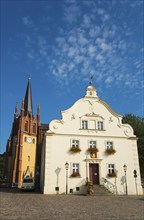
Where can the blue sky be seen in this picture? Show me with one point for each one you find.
(60, 44)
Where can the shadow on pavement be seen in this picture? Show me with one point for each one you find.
(16, 190)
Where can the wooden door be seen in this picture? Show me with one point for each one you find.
(94, 173)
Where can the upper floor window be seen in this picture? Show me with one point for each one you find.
(26, 126)
(75, 143)
(84, 124)
(109, 145)
(100, 125)
(92, 144)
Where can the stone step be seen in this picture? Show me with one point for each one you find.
(101, 190)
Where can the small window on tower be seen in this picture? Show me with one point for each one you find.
(33, 141)
(26, 126)
(25, 139)
(28, 158)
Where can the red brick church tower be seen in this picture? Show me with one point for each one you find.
(22, 144)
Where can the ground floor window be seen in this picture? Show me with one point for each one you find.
(75, 170)
(111, 168)
(75, 167)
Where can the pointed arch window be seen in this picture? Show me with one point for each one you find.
(34, 128)
(33, 141)
(26, 126)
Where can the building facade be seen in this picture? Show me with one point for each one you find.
(96, 146)
(22, 144)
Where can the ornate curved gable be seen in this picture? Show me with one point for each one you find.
(89, 116)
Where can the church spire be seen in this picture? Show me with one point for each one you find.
(28, 100)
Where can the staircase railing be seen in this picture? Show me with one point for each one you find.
(109, 186)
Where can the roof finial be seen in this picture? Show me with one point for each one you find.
(90, 79)
(29, 76)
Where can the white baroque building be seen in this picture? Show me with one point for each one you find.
(91, 138)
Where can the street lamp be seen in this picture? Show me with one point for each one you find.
(125, 169)
(66, 166)
(116, 171)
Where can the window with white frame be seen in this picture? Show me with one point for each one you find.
(75, 168)
(84, 124)
(100, 125)
(92, 144)
(109, 145)
(75, 143)
(111, 168)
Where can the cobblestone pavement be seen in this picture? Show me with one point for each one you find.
(34, 206)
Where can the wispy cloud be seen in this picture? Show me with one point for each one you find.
(89, 41)
(27, 21)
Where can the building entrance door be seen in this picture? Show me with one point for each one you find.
(94, 173)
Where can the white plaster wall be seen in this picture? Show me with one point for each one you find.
(58, 143)
(57, 153)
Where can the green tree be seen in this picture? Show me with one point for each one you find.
(1, 168)
(137, 124)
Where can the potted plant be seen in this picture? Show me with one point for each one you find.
(90, 188)
(111, 174)
(75, 150)
(92, 150)
(110, 151)
(76, 174)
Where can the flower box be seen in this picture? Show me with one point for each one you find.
(92, 150)
(111, 175)
(75, 150)
(75, 174)
(110, 151)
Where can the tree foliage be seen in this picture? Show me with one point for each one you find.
(1, 168)
(137, 124)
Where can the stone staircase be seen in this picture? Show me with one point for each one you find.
(100, 190)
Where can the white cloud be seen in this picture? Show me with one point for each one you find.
(89, 41)
(105, 46)
(27, 21)
(72, 13)
(91, 50)
(100, 11)
(100, 58)
(86, 20)
(82, 40)
(95, 31)
(109, 80)
(71, 52)
(72, 39)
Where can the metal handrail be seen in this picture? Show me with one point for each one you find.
(108, 185)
